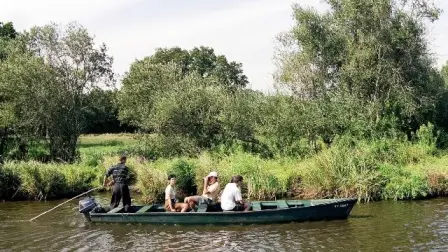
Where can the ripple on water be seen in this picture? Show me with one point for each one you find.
(382, 226)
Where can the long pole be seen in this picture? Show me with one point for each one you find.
(65, 202)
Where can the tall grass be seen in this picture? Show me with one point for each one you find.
(34, 180)
(368, 169)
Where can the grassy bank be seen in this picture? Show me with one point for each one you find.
(369, 170)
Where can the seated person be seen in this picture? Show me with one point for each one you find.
(209, 193)
(231, 199)
(170, 197)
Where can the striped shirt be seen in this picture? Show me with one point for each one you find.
(119, 172)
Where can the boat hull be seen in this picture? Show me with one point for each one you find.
(312, 211)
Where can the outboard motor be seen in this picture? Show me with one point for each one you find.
(87, 205)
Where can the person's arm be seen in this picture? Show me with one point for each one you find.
(168, 197)
(204, 191)
(108, 173)
(238, 197)
(212, 188)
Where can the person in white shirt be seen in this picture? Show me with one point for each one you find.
(170, 197)
(231, 199)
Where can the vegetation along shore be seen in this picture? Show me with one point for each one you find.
(359, 110)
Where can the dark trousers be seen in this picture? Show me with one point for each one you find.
(118, 191)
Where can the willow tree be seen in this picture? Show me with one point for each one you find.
(372, 53)
(48, 80)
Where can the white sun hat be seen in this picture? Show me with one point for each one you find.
(213, 174)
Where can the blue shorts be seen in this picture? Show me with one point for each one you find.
(204, 200)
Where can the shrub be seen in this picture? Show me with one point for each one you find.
(9, 183)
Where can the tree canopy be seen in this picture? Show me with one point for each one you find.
(43, 81)
(374, 52)
(204, 61)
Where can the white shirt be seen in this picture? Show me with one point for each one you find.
(170, 193)
(230, 196)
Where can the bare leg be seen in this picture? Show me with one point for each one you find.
(185, 207)
(192, 201)
(246, 206)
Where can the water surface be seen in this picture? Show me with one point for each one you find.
(379, 226)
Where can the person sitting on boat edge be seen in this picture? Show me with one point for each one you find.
(231, 199)
(170, 197)
(209, 193)
(119, 183)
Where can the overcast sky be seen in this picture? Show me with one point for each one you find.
(242, 30)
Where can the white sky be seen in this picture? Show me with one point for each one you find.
(242, 30)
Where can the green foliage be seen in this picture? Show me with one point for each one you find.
(7, 33)
(185, 177)
(43, 85)
(369, 169)
(156, 146)
(7, 30)
(404, 184)
(100, 113)
(48, 181)
(203, 61)
(359, 109)
(372, 54)
(190, 109)
(9, 183)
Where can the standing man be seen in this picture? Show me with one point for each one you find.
(120, 180)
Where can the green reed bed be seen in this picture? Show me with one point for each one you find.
(370, 170)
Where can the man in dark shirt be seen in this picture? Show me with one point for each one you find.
(120, 177)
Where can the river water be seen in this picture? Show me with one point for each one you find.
(378, 226)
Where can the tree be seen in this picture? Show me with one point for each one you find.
(48, 83)
(372, 51)
(101, 113)
(148, 79)
(203, 61)
(444, 73)
(188, 111)
(7, 30)
(7, 33)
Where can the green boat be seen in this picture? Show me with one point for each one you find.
(262, 212)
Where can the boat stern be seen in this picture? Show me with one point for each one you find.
(86, 206)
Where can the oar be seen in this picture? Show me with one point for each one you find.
(65, 202)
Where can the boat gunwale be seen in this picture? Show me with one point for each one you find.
(331, 201)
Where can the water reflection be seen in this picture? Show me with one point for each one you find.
(382, 226)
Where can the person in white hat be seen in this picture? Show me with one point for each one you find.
(209, 193)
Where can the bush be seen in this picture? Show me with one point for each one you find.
(9, 183)
(185, 177)
(50, 181)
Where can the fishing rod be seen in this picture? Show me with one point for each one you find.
(65, 202)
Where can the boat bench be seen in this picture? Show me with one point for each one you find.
(116, 210)
(282, 204)
(144, 209)
(202, 208)
(256, 206)
(278, 204)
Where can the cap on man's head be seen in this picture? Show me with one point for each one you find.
(213, 174)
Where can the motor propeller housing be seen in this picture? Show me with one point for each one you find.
(87, 205)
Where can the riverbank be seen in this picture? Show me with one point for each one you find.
(370, 170)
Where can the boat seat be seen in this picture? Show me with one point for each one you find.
(282, 204)
(115, 210)
(256, 206)
(144, 209)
